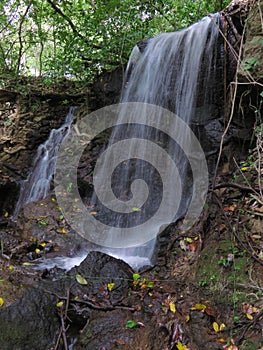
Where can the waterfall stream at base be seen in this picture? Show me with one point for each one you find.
(37, 184)
(177, 71)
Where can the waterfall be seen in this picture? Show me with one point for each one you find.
(37, 185)
(153, 170)
(176, 71)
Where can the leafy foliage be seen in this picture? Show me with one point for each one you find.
(79, 39)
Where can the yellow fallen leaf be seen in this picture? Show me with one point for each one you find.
(221, 340)
(216, 326)
(93, 213)
(6, 214)
(249, 316)
(81, 280)
(200, 307)
(172, 307)
(37, 250)
(244, 168)
(59, 304)
(63, 230)
(187, 318)
(11, 268)
(1, 302)
(222, 327)
(180, 346)
(110, 286)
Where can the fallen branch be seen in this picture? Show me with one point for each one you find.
(236, 185)
(103, 308)
(91, 304)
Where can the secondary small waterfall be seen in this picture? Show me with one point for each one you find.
(37, 184)
(177, 71)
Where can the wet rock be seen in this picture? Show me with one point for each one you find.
(9, 190)
(106, 331)
(99, 270)
(30, 323)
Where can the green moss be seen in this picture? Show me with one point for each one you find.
(250, 345)
(222, 278)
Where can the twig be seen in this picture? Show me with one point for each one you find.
(235, 185)
(104, 308)
(63, 329)
(58, 339)
(91, 305)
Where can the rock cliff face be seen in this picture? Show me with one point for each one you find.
(26, 121)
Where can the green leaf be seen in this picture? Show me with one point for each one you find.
(43, 223)
(136, 276)
(131, 324)
(81, 280)
(110, 286)
(136, 209)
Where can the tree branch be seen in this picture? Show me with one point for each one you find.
(71, 24)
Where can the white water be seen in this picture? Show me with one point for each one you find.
(169, 73)
(37, 185)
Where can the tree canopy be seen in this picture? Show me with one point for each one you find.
(78, 39)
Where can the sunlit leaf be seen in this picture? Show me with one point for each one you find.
(63, 230)
(6, 214)
(131, 324)
(37, 250)
(200, 307)
(222, 327)
(249, 316)
(187, 318)
(81, 280)
(11, 268)
(27, 263)
(43, 223)
(172, 307)
(110, 286)
(59, 304)
(180, 346)
(136, 276)
(136, 209)
(216, 327)
(1, 302)
(93, 213)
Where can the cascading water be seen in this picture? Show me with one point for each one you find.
(37, 184)
(177, 71)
